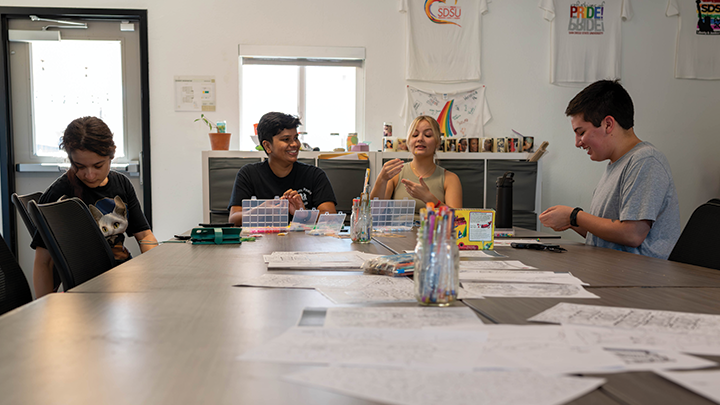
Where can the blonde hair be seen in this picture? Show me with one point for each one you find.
(433, 125)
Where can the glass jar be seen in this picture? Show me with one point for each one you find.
(361, 221)
(437, 267)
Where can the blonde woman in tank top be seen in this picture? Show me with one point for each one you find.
(420, 179)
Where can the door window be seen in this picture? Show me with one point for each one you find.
(71, 79)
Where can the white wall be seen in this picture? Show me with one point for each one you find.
(201, 38)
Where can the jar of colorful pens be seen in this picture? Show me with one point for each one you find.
(437, 261)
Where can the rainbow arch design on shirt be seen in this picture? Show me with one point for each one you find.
(431, 16)
(445, 119)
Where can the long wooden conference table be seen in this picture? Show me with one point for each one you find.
(167, 327)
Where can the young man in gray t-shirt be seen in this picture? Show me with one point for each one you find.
(635, 206)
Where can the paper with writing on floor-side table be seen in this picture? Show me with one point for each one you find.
(400, 317)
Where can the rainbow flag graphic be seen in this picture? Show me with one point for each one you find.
(445, 120)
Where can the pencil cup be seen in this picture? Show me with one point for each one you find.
(361, 221)
(437, 259)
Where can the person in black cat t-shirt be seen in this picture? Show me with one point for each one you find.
(109, 195)
(281, 175)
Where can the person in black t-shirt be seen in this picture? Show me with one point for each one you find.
(109, 195)
(281, 175)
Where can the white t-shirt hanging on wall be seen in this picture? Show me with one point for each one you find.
(459, 114)
(697, 50)
(443, 39)
(585, 38)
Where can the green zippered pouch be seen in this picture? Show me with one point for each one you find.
(215, 236)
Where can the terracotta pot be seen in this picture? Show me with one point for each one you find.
(219, 141)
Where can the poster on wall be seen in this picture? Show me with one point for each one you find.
(697, 48)
(460, 114)
(194, 93)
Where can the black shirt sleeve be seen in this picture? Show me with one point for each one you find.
(136, 218)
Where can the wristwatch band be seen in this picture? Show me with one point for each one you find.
(573, 216)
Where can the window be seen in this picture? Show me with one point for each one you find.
(325, 92)
(70, 81)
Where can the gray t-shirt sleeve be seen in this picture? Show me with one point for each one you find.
(644, 184)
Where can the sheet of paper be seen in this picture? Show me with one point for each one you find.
(430, 387)
(519, 276)
(303, 281)
(704, 383)
(480, 290)
(494, 265)
(406, 348)
(317, 260)
(648, 360)
(485, 254)
(400, 317)
(545, 350)
(695, 343)
(375, 289)
(507, 241)
(630, 318)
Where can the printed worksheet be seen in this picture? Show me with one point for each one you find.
(519, 276)
(431, 387)
(480, 290)
(695, 343)
(367, 289)
(704, 383)
(317, 260)
(494, 265)
(400, 317)
(407, 348)
(630, 318)
(650, 360)
(303, 281)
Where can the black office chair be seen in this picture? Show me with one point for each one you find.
(696, 244)
(21, 204)
(14, 288)
(73, 239)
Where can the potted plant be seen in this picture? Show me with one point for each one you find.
(219, 139)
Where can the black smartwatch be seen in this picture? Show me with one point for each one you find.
(573, 216)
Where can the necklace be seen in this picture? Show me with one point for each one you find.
(416, 172)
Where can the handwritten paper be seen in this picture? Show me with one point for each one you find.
(406, 348)
(630, 318)
(400, 317)
(704, 383)
(480, 290)
(430, 387)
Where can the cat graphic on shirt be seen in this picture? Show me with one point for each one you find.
(111, 217)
